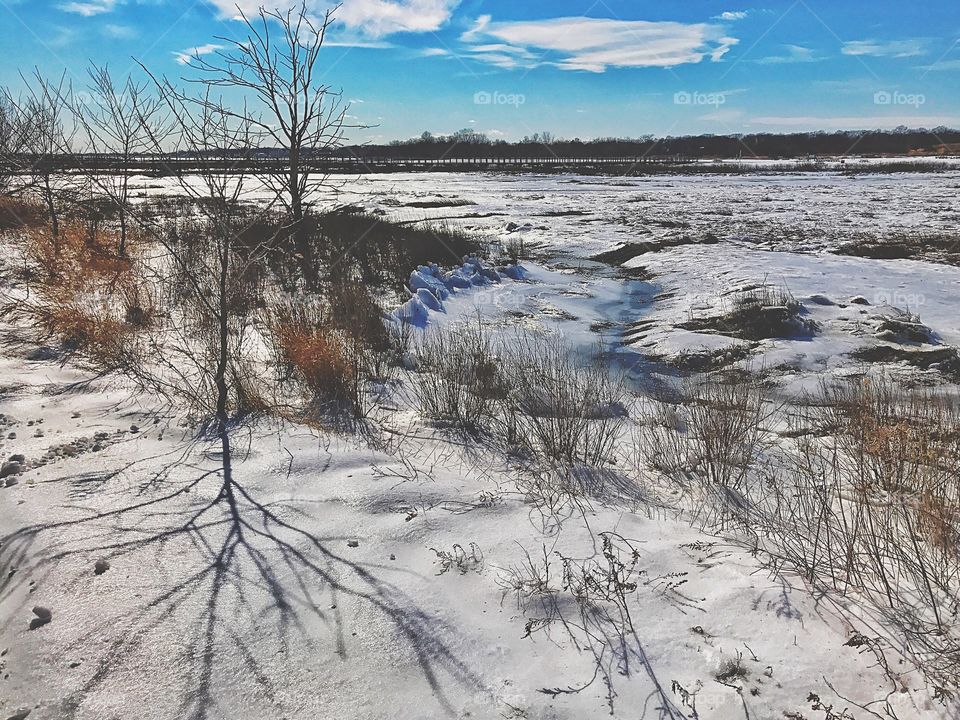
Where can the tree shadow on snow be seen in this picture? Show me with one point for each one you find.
(245, 549)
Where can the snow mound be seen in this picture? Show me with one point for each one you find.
(430, 286)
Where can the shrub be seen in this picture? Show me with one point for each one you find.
(16, 214)
(459, 378)
(85, 327)
(560, 407)
(73, 258)
(326, 363)
(374, 250)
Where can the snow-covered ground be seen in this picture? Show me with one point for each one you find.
(371, 577)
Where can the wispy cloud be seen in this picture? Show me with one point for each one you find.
(731, 15)
(909, 47)
(594, 44)
(89, 8)
(944, 65)
(119, 32)
(354, 42)
(185, 56)
(791, 54)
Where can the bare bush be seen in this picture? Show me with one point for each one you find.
(867, 502)
(121, 121)
(713, 434)
(588, 601)
(561, 407)
(332, 346)
(325, 361)
(460, 379)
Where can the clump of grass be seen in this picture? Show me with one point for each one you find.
(378, 252)
(85, 327)
(324, 364)
(73, 257)
(17, 214)
(460, 378)
(562, 408)
(759, 313)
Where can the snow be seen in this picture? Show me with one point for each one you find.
(316, 589)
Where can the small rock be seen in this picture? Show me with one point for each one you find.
(859, 300)
(134, 429)
(11, 481)
(97, 447)
(75, 414)
(100, 567)
(43, 616)
(18, 458)
(75, 664)
(20, 714)
(392, 556)
(11, 436)
(353, 543)
(10, 468)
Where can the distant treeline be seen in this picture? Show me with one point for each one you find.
(469, 144)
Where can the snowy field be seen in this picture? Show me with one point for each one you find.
(348, 576)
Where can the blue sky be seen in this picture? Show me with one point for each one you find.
(576, 68)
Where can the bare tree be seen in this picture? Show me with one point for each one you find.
(202, 355)
(11, 141)
(121, 122)
(46, 139)
(278, 64)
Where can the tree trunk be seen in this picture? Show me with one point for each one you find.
(223, 339)
(123, 231)
(302, 241)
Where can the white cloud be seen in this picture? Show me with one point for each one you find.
(385, 17)
(90, 8)
(185, 56)
(910, 47)
(434, 52)
(374, 18)
(792, 54)
(730, 15)
(594, 44)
